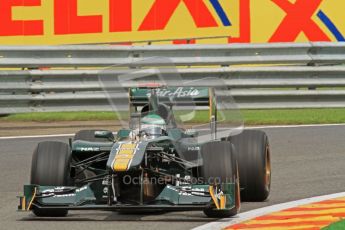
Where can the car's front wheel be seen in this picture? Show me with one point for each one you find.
(51, 167)
(254, 162)
(219, 162)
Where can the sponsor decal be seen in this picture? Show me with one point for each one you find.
(198, 192)
(188, 190)
(89, 149)
(50, 192)
(178, 92)
(194, 148)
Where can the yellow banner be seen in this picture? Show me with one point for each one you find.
(38, 22)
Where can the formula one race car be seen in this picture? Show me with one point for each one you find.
(154, 163)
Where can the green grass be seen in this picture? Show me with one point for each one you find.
(61, 116)
(336, 226)
(251, 117)
(297, 116)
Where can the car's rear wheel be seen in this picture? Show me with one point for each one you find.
(254, 162)
(219, 162)
(89, 135)
(51, 167)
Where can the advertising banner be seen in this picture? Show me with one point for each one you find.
(45, 22)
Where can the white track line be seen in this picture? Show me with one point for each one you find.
(294, 126)
(37, 136)
(222, 223)
(250, 127)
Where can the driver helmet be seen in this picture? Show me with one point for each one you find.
(153, 125)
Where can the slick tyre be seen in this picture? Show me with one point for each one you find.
(219, 162)
(51, 167)
(254, 163)
(88, 135)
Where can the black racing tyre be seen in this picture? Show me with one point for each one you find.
(254, 163)
(219, 162)
(51, 167)
(89, 135)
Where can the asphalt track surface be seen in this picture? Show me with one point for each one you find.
(306, 162)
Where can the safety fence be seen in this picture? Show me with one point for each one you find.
(65, 78)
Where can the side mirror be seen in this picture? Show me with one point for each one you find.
(123, 133)
(104, 134)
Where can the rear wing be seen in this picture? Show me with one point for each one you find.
(183, 96)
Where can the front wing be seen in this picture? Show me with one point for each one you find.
(172, 198)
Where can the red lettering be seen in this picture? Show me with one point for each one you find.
(120, 12)
(245, 35)
(181, 42)
(297, 20)
(67, 20)
(9, 27)
(162, 10)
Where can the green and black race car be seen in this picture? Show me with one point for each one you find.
(154, 163)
